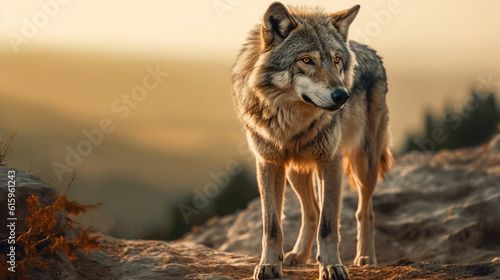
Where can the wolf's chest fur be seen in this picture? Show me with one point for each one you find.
(294, 135)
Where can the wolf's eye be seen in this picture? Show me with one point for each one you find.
(307, 60)
(336, 60)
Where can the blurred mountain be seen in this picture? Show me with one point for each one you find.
(134, 182)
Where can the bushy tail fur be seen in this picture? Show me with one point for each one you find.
(385, 163)
(349, 172)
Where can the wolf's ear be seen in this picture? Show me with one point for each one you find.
(277, 25)
(343, 19)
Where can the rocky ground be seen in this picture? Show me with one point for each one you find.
(437, 217)
(140, 259)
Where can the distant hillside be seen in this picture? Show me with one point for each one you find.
(135, 182)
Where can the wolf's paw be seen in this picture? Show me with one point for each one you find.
(333, 272)
(362, 260)
(268, 271)
(294, 259)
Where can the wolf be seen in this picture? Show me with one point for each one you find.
(312, 103)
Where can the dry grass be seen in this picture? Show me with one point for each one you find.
(42, 169)
(48, 236)
(7, 144)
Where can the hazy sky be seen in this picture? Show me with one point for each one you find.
(220, 26)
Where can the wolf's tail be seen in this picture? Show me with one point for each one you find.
(356, 175)
(385, 163)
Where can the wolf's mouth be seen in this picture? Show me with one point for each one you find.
(308, 100)
(330, 109)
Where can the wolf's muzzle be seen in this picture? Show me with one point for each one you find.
(340, 97)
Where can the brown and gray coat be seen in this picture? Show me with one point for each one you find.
(291, 82)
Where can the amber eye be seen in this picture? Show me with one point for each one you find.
(336, 60)
(307, 60)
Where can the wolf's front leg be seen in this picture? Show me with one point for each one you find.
(271, 180)
(330, 176)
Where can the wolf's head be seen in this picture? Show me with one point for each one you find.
(306, 56)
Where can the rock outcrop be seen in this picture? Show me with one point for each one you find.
(25, 184)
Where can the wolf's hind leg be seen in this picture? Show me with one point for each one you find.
(303, 185)
(365, 178)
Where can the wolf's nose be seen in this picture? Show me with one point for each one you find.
(340, 96)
